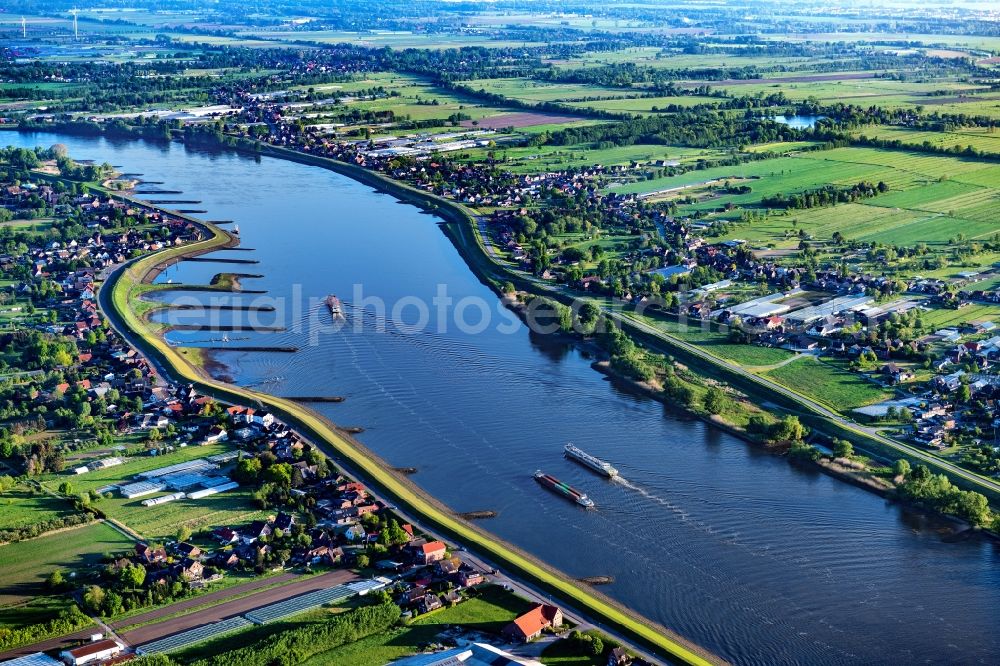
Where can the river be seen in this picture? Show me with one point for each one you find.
(756, 559)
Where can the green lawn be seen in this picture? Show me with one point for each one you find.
(718, 344)
(825, 382)
(489, 612)
(27, 564)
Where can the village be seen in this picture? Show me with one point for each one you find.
(82, 376)
(941, 379)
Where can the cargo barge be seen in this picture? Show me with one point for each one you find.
(567, 491)
(333, 303)
(592, 462)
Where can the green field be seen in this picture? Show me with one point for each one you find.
(162, 521)
(530, 90)
(944, 318)
(980, 138)
(489, 613)
(534, 159)
(645, 105)
(932, 198)
(27, 564)
(718, 344)
(21, 506)
(826, 383)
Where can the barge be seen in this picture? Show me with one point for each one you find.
(333, 303)
(564, 489)
(589, 461)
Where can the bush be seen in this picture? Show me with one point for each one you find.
(68, 621)
(31, 531)
(297, 645)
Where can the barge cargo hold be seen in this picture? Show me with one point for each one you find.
(592, 462)
(567, 491)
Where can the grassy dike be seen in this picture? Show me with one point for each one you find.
(126, 284)
(461, 227)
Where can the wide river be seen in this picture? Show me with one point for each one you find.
(755, 559)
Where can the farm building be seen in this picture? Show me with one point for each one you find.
(91, 653)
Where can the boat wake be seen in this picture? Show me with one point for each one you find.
(651, 496)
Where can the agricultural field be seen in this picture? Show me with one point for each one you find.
(650, 56)
(27, 564)
(379, 39)
(979, 138)
(932, 198)
(533, 91)
(827, 383)
(646, 105)
(23, 506)
(717, 344)
(946, 318)
(534, 159)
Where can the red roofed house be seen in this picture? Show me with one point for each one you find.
(530, 625)
(432, 552)
(91, 652)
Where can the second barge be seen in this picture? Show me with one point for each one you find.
(564, 489)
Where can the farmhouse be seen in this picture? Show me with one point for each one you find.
(530, 625)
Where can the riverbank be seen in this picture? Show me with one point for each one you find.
(461, 227)
(124, 284)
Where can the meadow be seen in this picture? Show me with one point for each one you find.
(23, 506)
(980, 138)
(534, 159)
(27, 564)
(932, 198)
(829, 384)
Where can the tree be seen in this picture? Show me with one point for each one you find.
(93, 598)
(183, 533)
(974, 507)
(393, 534)
(788, 429)
(247, 470)
(362, 561)
(843, 448)
(596, 646)
(55, 581)
(279, 474)
(902, 467)
(715, 400)
(133, 576)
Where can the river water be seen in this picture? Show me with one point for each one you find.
(756, 559)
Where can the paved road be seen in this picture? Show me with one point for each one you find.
(152, 632)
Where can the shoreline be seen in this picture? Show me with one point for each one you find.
(351, 455)
(454, 213)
